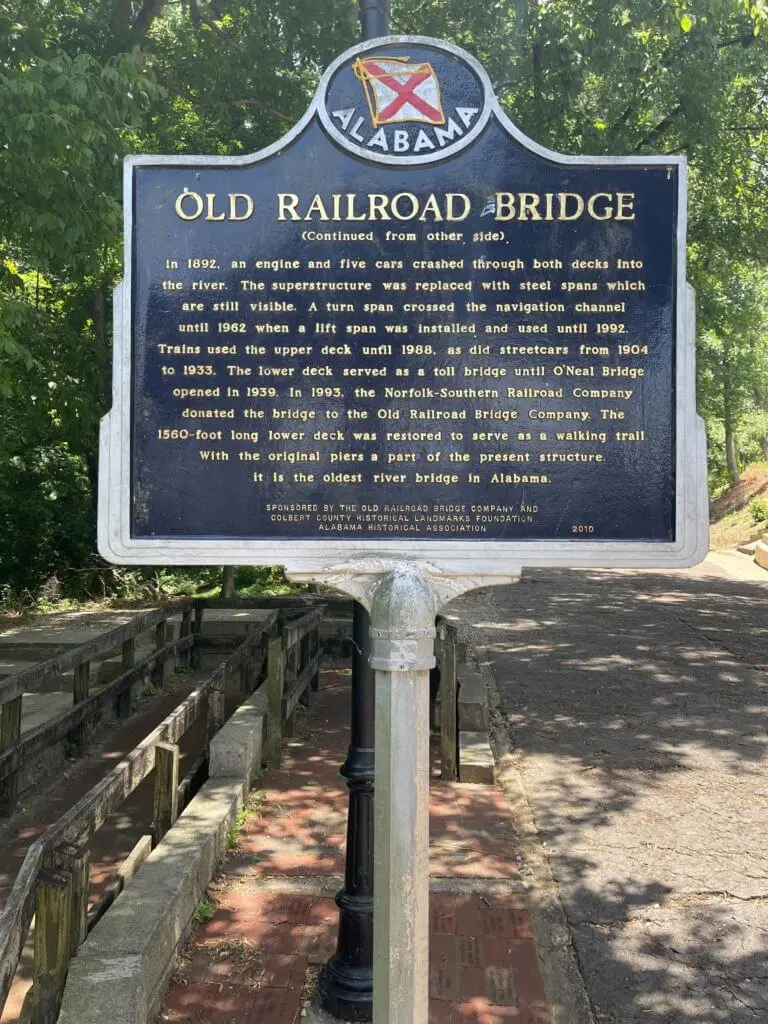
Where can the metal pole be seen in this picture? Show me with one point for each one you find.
(346, 981)
(402, 630)
(374, 18)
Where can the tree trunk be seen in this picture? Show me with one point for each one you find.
(765, 446)
(228, 581)
(731, 455)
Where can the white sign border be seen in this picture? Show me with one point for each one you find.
(496, 558)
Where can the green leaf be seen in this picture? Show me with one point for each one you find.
(685, 23)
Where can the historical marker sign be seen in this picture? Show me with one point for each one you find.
(405, 329)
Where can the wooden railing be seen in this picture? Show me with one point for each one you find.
(52, 884)
(72, 725)
(293, 666)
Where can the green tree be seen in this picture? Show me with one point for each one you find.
(81, 85)
(733, 349)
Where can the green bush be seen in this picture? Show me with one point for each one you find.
(758, 510)
(252, 580)
(46, 522)
(203, 912)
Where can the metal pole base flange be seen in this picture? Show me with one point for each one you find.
(347, 992)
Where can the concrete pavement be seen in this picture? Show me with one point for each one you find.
(636, 704)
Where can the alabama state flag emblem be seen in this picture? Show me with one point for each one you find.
(397, 90)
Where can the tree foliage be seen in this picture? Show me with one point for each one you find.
(733, 360)
(83, 82)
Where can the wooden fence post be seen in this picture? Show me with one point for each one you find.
(303, 658)
(80, 690)
(448, 725)
(246, 668)
(10, 732)
(82, 683)
(128, 658)
(186, 627)
(290, 676)
(159, 671)
(273, 748)
(215, 712)
(53, 915)
(197, 629)
(314, 651)
(166, 788)
(128, 653)
(74, 861)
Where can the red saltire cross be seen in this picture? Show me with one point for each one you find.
(405, 94)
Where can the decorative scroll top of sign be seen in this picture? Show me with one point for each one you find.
(394, 106)
(405, 330)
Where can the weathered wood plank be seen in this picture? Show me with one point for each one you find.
(17, 916)
(245, 677)
(199, 616)
(186, 629)
(82, 683)
(273, 746)
(10, 732)
(80, 692)
(93, 809)
(53, 912)
(315, 653)
(294, 631)
(74, 861)
(215, 718)
(300, 685)
(128, 660)
(90, 813)
(59, 728)
(166, 788)
(289, 602)
(159, 671)
(289, 685)
(33, 679)
(125, 873)
(128, 653)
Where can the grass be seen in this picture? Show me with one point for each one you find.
(733, 529)
(233, 836)
(255, 590)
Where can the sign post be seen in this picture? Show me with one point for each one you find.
(403, 613)
(405, 351)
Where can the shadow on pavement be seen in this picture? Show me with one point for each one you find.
(637, 707)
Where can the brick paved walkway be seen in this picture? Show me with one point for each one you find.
(256, 960)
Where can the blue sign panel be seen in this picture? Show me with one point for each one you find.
(405, 321)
